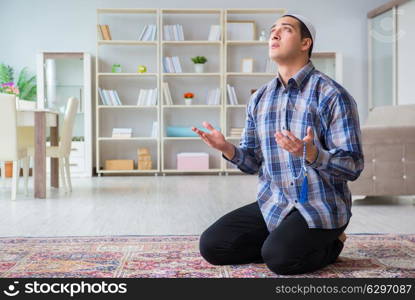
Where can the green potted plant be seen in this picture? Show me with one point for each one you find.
(199, 62)
(24, 89)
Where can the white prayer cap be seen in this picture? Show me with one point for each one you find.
(306, 22)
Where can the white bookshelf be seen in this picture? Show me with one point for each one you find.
(235, 50)
(195, 43)
(123, 47)
(222, 68)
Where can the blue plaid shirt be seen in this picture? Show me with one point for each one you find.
(310, 98)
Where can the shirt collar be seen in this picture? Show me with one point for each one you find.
(298, 80)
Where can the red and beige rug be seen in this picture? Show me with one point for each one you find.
(178, 256)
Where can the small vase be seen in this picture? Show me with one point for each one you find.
(199, 68)
(188, 101)
(8, 169)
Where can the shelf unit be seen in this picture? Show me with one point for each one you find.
(106, 146)
(234, 115)
(177, 113)
(61, 75)
(221, 70)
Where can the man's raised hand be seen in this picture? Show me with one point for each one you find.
(214, 138)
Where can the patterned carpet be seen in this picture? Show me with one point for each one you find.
(178, 256)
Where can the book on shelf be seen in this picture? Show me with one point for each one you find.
(166, 94)
(270, 66)
(105, 31)
(100, 34)
(176, 63)
(155, 130)
(153, 33)
(213, 97)
(148, 33)
(172, 64)
(233, 100)
(236, 132)
(114, 97)
(122, 132)
(147, 97)
(173, 32)
(214, 33)
(146, 27)
(109, 97)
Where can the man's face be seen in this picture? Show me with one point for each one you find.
(285, 39)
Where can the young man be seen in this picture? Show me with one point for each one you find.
(295, 226)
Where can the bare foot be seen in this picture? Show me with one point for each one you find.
(342, 237)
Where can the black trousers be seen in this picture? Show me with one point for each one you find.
(241, 237)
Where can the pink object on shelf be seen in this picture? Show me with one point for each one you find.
(193, 161)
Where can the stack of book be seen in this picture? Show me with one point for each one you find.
(171, 64)
(214, 33)
(122, 133)
(213, 97)
(236, 132)
(148, 33)
(166, 93)
(109, 97)
(147, 97)
(104, 32)
(270, 66)
(173, 32)
(233, 100)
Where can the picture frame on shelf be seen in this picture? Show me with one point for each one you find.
(241, 30)
(247, 65)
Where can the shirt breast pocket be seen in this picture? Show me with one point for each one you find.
(301, 118)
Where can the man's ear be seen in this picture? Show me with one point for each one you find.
(306, 43)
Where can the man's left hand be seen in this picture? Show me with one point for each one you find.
(295, 146)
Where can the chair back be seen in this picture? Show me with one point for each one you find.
(8, 128)
(68, 125)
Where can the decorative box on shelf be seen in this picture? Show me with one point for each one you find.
(144, 159)
(192, 161)
(179, 131)
(119, 164)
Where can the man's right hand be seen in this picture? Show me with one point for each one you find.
(216, 140)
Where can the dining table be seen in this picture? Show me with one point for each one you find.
(41, 120)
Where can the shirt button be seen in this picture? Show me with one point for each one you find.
(283, 127)
(296, 201)
(292, 183)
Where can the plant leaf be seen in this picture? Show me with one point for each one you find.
(6, 73)
(26, 85)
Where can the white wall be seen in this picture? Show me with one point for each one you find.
(405, 53)
(57, 25)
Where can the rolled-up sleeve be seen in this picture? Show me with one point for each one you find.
(343, 157)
